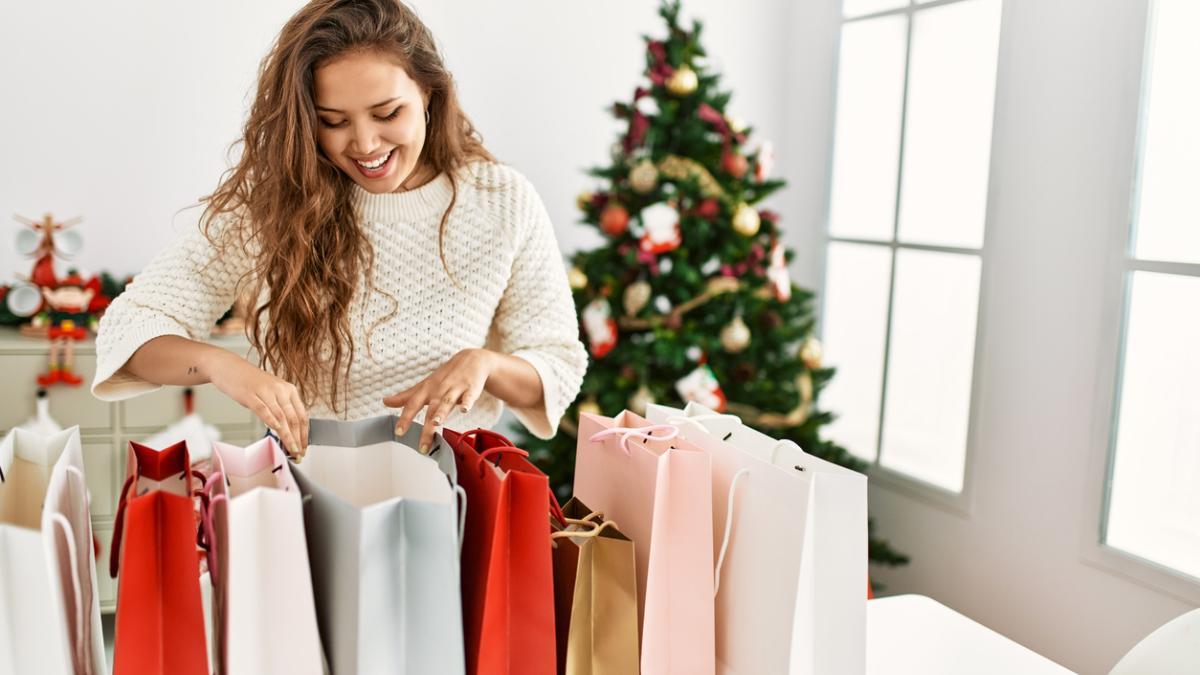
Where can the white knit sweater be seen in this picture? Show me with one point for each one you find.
(512, 296)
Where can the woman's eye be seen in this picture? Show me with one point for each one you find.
(392, 115)
(330, 125)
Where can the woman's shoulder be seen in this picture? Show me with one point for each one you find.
(505, 192)
(495, 181)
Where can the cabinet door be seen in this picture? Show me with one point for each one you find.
(68, 405)
(103, 464)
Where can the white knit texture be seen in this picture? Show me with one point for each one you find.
(512, 296)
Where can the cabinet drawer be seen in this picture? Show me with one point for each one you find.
(68, 405)
(151, 412)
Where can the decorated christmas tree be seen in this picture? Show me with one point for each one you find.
(690, 299)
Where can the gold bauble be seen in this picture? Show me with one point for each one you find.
(745, 220)
(735, 336)
(584, 200)
(636, 296)
(640, 400)
(736, 124)
(577, 278)
(683, 81)
(590, 407)
(811, 353)
(643, 178)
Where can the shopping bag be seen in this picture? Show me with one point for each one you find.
(507, 578)
(790, 597)
(658, 487)
(160, 619)
(603, 629)
(258, 563)
(49, 603)
(383, 535)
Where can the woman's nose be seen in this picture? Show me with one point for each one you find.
(365, 139)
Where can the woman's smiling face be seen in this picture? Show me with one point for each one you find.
(371, 119)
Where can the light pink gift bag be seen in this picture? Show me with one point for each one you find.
(658, 487)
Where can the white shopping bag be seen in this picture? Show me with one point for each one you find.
(791, 592)
(263, 599)
(383, 531)
(49, 601)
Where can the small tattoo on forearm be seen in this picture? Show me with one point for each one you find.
(192, 370)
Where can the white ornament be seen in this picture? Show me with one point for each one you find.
(600, 327)
(766, 162)
(701, 386)
(710, 266)
(665, 266)
(660, 228)
(777, 274)
(694, 353)
(662, 304)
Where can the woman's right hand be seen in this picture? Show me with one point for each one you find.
(274, 401)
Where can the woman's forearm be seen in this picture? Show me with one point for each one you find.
(171, 359)
(515, 381)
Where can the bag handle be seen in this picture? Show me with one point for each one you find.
(73, 553)
(593, 529)
(645, 433)
(728, 528)
(114, 551)
(555, 507)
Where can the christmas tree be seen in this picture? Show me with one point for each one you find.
(690, 299)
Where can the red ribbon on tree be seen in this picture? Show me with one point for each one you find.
(660, 70)
(638, 123)
(709, 114)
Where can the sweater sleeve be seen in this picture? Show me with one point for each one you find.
(536, 318)
(183, 291)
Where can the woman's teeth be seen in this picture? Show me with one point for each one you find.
(377, 163)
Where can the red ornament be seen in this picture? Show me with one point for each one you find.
(734, 164)
(708, 209)
(614, 220)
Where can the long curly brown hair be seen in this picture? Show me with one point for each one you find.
(285, 191)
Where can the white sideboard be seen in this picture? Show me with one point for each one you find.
(106, 428)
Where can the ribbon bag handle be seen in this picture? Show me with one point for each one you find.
(114, 552)
(645, 433)
(555, 507)
(733, 485)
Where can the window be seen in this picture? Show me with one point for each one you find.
(908, 198)
(1154, 487)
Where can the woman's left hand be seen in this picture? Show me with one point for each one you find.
(457, 383)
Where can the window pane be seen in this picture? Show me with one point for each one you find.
(853, 330)
(866, 140)
(860, 7)
(928, 399)
(1168, 217)
(1154, 507)
(948, 130)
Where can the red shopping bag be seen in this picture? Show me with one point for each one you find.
(507, 577)
(160, 621)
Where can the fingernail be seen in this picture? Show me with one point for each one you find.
(399, 430)
(466, 408)
(424, 448)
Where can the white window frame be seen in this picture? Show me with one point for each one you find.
(1121, 266)
(958, 503)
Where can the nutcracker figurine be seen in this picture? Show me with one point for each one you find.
(66, 313)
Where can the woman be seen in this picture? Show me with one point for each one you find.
(395, 263)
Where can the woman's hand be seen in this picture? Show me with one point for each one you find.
(457, 383)
(274, 401)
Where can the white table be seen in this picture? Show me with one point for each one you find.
(916, 635)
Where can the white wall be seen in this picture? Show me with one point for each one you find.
(125, 108)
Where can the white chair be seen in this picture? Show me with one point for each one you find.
(1173, 649)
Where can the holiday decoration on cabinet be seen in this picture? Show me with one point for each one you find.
(689, 300)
